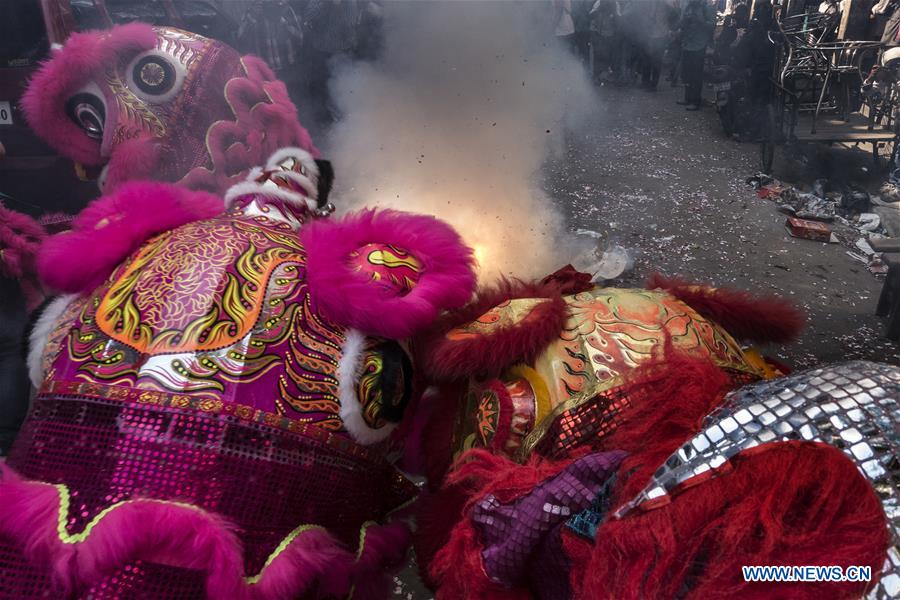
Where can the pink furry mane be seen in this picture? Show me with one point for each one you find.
(113, 227)
(265, 120)
(311, 562)
(351, 299)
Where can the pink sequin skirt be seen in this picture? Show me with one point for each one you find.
(263, 481)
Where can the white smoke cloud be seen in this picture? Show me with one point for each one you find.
(456, 119)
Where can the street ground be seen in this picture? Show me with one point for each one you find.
(669, 185)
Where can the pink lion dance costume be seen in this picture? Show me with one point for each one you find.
(226, 375)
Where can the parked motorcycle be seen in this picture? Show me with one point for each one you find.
(732, 103)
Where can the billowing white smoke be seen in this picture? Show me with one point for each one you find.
(456, 119)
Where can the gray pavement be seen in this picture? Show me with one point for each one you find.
(667, 183)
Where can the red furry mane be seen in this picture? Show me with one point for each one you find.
(759, 319)
(445, 360)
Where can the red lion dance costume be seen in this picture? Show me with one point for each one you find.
(610, 443)
(220, 391)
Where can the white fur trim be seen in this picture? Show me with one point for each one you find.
(305, 182)
(37, 341)
(349, 371)
(254, 174)
(306, 159)
(251, 187)
(309, 182)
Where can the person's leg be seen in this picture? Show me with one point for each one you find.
(692, 74)
(644, 66)
(571, 42)
(685, 74)
(616, 56)
(656, 59)
(759, 95)
(698, 77)
(600, 50)
(654, 75)
(675, 64)
(584, 46)
(633, 66)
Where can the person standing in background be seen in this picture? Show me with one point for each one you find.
(672, 54)
(741, 15)
(603, 33)
(889, 12)
(629, 34)
(581, 20)
(698, 21)
(754, 55)
(370, 40)
(657, 16)
(331, 30)
(565, 25)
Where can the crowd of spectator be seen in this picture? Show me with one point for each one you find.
(636, 42)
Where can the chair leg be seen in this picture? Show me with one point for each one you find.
(893, 301)
(886, 299)
(893, 327)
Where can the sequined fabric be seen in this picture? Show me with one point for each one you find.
(590, 422)
(20, 580)
(589, 520)
(263, 480)
(522, 540)
(853, 406)
(584, 425)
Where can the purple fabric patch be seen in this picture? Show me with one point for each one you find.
(522, 544)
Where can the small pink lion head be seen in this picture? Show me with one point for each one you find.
(160, 103)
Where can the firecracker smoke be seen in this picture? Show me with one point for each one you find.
(456, 119)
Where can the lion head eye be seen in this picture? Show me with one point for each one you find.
(154, 76)
(88, 111)
(385, 385)
(375, 384)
